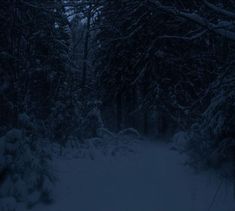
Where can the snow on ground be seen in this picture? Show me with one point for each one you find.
(154, 179)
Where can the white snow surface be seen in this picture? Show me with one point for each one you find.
(153, 179)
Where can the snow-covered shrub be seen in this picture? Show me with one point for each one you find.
(92, 122)
(72, 142)
(212, 137)
(104, 133)
(8, 204)
(64, 119)
(130, 132)
(97, 142)
(180, 141)
(107, 143)
(25, 121)
(25, 172)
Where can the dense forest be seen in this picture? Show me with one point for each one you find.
(72, 69)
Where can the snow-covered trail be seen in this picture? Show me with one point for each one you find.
(154, 179)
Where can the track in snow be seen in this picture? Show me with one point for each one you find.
(154, 179)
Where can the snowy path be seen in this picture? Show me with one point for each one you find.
(152, 180)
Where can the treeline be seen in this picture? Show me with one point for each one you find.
(69, 67)
(159, 67)
(170, 65)
(37, 80)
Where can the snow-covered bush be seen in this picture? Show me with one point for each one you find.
(180, 141)
(72, 142)
(106, 143)
(25, 121)
(25, 172)
(8, 204)
(130, 132)
(92, 122)
(104, 133)
(212, 138)
(64, 119)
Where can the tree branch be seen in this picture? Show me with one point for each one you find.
(219, 10)
(222, 31)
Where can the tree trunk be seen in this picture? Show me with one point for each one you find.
(133, 107)
(119, 111)
(146, 125)
(86, 48)
(145, 93)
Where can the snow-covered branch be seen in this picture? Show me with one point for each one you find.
(219, 10)
(184, 38)
(194, 17)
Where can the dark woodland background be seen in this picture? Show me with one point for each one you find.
(70, 67)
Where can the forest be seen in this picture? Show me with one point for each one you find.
(80, 78)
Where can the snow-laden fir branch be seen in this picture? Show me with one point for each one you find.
(185, 38)
(204, 22)
(219, 10)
